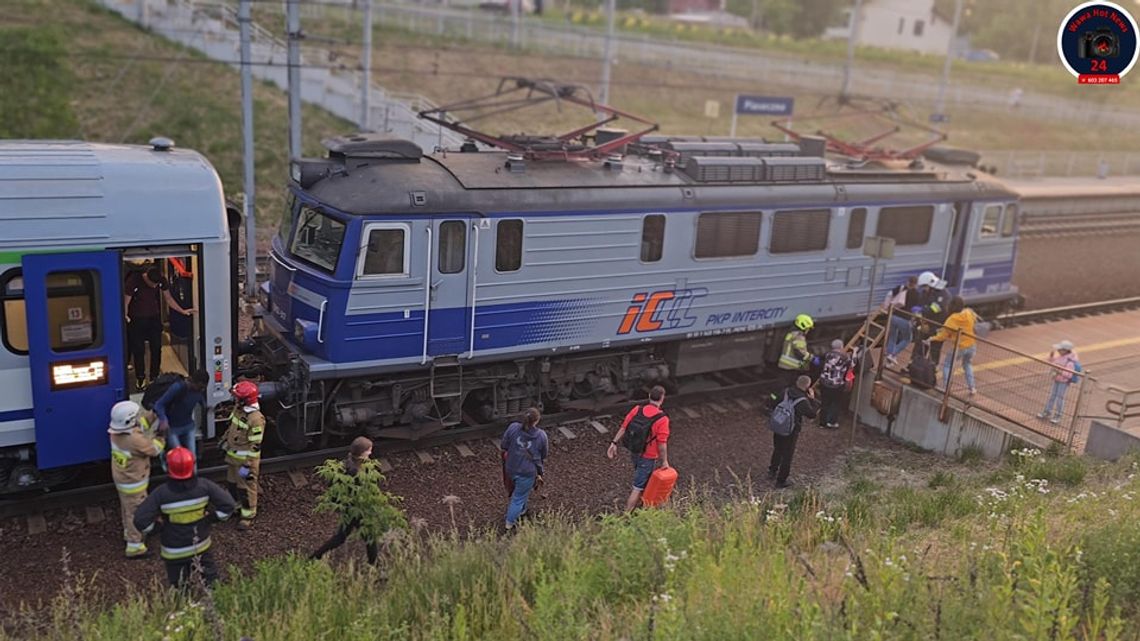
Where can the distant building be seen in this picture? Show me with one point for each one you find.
(912, 25)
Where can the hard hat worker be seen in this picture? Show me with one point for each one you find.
(133, 443)
(242, 444)
(795, 359)
(185, 503)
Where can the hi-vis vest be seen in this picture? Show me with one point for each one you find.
(130, 458)
(795, 354)
(244, 436)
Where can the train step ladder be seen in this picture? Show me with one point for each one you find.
(446, 377)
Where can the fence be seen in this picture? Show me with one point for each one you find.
(1062, 163)
(1003, 382)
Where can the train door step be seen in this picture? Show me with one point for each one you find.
(446, 378)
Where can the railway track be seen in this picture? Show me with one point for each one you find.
(702, 390)
(1053, 225)
(1051, 314)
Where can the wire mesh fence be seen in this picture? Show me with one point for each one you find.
(1044, 395)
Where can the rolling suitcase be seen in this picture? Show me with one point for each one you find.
(659, 488)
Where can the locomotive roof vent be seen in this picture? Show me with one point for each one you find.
(373, 147)
(515, 164)
(756, 170)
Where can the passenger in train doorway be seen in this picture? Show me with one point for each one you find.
(175, 410)
(525, 447)
(145, 292)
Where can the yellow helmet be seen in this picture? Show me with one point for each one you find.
(804, 322)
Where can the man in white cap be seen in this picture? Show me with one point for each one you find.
(935, 309)
(132, 446)
(1065, 365)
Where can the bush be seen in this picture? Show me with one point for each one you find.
(1112, 552)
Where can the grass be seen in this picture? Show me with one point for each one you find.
(944, 558)
(128, 86)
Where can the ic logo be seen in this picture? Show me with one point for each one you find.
(664, 309)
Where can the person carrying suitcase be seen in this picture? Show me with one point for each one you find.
(645, 433)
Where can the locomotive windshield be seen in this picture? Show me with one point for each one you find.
(318, 239)
(286, 226)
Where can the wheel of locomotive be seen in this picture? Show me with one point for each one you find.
(288, 431)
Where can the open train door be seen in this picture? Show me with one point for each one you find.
(75, 352)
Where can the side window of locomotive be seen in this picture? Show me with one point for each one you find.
(652, 238)
(384, 252)
(508, 245)
(73, 310)
(286, 226)
(13, 317)
(318, 239)
(1009, 221)
(727, 234)
(991, 220)
(907, 225)
(452, 246)
(856, 227)
(800, 231)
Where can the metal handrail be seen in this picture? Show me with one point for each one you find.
(1124, 408)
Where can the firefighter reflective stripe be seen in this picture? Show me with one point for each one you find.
(247, 513)
(794, 343)
(174, 554)
(136, 549)
(186, 512)
(132, 488)
(242, 455)
(256, 433)
(119, 456)
(159, 446)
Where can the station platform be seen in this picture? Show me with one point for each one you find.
(1014, 383)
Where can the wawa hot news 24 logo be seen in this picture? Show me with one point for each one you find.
(1097, 43)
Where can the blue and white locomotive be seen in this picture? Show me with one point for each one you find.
(414, 292)
(411, 293)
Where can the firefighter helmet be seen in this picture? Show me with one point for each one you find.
(180, 463)
(245, 392)
(804, 322)
(124, 416)
(930, 279)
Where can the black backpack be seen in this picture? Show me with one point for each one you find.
(921, 369)
(157, 388)
(639, 432)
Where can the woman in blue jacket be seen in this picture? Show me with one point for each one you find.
(524, 448)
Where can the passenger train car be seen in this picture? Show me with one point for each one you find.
(410, 293)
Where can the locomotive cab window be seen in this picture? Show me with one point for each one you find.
(384, 251)
(800, 231)
(727, 234)
(452, 246)
(906, 225)
(318, 239)
(856, 227)
(991, 221)
(508, 245)
(652, 238)
(1009, 221)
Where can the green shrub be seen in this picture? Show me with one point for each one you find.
(1112, 552)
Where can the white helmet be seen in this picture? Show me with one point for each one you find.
(930, 279)
(124, 416)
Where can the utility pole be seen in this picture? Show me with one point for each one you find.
(950, 51)
(250, 211)
(516, 9)
(366, 81)
(608, 52)
(293, 29)
(852, 36)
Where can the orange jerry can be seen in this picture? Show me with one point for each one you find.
(659, 487)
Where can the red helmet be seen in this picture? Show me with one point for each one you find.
(180, 463)
(245, 392)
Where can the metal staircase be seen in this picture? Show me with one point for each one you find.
(212, 28)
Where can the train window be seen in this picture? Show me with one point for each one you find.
(991, 220)
(384, 251)
(13, 318)
(652, 238)
(728, 234)
(800, 231)
(856, 227)
(508, 245)
(318, 239)
(1009, 222)
(906, 225)
(452, 246)
(73, 313)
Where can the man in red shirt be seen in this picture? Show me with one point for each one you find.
(648, 435)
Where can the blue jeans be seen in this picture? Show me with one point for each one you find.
(1057, 397)
(182, 436)
(899, 336)
(523, 486)
(642, 470)
(967, 357)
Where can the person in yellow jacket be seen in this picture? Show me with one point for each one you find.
(133, 443)
(961, 320)
(242, 444)
(795, 359)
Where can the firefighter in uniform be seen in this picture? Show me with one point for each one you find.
(184, 502)
(795, 359)
(132, 445)
(242, 444)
